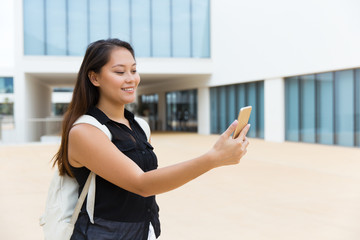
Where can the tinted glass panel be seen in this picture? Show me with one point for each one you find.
(34, 31)
(200, 28)
(156, 28)
(6, 85)
(344, 107)
(226, 102)
(120, 19)
(292, 109)
(99, 20)
(161, 26)
(181, 28)
(325, 106)
(141, 23)
(182, 111)
(357, 107)
(307, 111)
(78, 27)
(55, 27)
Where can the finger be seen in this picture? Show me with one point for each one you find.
(230, 129)
(245, 144)
(243, 132)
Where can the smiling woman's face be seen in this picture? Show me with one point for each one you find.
(118, 78)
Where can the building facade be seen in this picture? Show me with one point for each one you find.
(200, 61)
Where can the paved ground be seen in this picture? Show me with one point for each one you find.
(279, 191)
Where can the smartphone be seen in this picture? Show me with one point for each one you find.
(243, 120)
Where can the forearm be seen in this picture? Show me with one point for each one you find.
(168, 178)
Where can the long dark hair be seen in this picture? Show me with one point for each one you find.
(85, 94)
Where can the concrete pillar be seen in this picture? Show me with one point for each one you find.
(203, 110)
(38, 107)
(274, 110)
(162, 111)
(20, 105)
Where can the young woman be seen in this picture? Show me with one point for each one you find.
(126, 167)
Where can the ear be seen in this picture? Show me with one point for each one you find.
(93, 78)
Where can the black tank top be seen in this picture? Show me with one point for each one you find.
(112, 202)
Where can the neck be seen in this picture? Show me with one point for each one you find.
(114, 112)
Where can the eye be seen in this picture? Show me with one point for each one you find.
(119, 72)
(134, 71)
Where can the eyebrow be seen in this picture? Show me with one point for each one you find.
(122, 65)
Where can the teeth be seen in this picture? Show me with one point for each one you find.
(128, 89)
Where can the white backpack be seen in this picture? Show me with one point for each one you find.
(63, 205)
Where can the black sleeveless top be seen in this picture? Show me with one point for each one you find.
(112, 202)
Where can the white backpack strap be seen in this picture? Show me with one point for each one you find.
(82, 198)
(91, 181)
(145, 126)
(93, 121)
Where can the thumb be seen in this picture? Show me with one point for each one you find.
(231, 128)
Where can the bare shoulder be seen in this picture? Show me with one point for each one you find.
(85, 139)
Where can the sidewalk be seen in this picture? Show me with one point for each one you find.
(279, 191)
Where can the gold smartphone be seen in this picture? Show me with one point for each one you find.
(243, 120)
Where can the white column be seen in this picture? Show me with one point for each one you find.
(38, 105)
(20, 92)
(203, 110)
(274, 110)
(20, 113)
(162, 110)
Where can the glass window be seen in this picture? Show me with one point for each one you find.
(140, 29)
(99, 20)
(292, 109)
(222, 109)
(231, 111)
(200, 28)
(63, 89)
(181, 28)
(334, 100)
(148, 107)
(240, 96)
(226, 102)
(55, 27)
(161, 27)
(59, 109)
(307, 108)
(34, 31)
(214, 111)
(260, 109)
(78, 27)
(344, 107)
(7, 108)
(325, 106)
(6, 85)
(120, 19)
(182, 111)
(357, 107)
(251, 101)
(156, 28)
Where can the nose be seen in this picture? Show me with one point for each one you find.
(130, 77)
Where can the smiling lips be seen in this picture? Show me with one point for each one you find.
(130, 89)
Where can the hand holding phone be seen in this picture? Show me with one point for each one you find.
(243, 120)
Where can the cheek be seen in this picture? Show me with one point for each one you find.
(138, 79)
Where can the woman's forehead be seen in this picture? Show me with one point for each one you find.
(121, 56)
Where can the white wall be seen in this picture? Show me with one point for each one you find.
(6, 37)
(38, 105)
(261, 39)
(61, 97)
(274, 110)
(204, 110)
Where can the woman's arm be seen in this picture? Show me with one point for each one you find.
(89, 147)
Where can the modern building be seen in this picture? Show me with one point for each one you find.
(296, 62)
